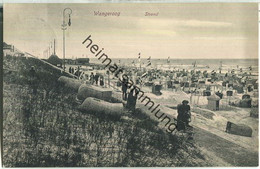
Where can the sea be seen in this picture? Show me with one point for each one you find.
(209, 64)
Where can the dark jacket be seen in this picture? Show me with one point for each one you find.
(183, 116)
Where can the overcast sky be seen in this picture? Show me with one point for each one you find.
(205, 30)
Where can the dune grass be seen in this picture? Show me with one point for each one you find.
(47, 129)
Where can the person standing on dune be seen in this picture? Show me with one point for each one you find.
(184, 116)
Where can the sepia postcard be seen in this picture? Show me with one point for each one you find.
(130, 85)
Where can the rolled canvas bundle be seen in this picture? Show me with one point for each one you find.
(95, 105)
(94, 91)
(70, 82)
(116, 97)
(158, 116)
(239, 129)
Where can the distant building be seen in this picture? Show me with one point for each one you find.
(7, 47)
(70, 61)
(79, 61)
(82, 61)
(11, 50)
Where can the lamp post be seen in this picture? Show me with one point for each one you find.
(64, 27)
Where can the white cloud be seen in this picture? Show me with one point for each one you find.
(220, 38)
(159, 32)
(208, 24)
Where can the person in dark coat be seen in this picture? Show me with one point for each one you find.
(101, 81)
(131, 100)
(91, 78)
(124, 89)
(96, 78)
(184, 115)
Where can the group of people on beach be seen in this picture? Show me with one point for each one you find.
(173, 79)
(78, 72)
(71, 70)
(96, 79)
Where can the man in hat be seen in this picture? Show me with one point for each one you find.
(184, 115)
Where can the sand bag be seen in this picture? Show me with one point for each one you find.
(70, 82)
(94, 91)
(95, 105)
(116, 97)
(162, 116)
(254, 112)
(239, 129)
(204, 112)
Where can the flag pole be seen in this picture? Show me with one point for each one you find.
(139, 57)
